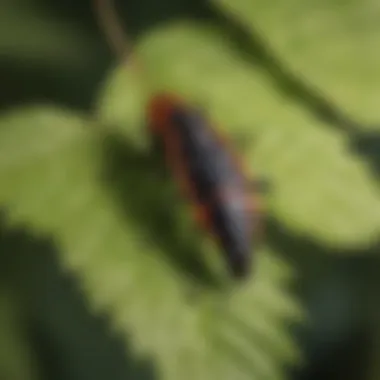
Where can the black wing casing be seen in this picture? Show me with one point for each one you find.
(218, 186)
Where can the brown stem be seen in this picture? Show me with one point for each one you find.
(110, 24)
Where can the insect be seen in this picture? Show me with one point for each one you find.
(209, 173)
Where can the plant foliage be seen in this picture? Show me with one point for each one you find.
(64, 182)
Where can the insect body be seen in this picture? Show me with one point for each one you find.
(210, 175)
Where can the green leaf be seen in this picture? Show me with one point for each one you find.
(122, 104)
(330, 44)
(118, 230)
(320, 189)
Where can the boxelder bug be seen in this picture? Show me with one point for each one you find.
(208, 170)
(210, 175)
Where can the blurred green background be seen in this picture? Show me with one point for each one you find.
(54, 52)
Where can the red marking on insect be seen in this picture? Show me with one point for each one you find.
(211, 176)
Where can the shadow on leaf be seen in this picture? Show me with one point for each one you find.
(146, 194)
(253, 47)
(367, 145)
